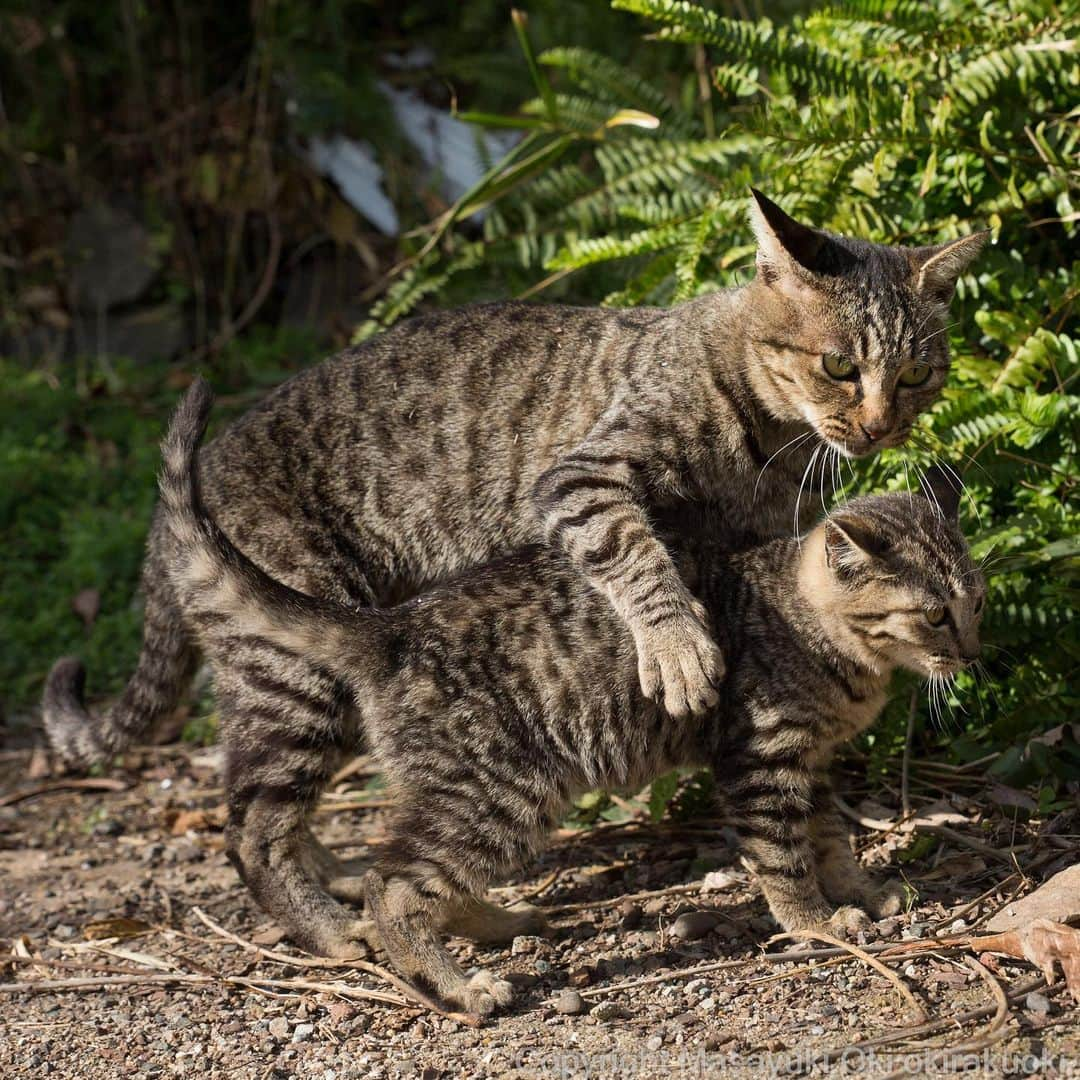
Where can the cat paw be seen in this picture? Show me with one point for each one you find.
(531, 919)
(483, 994)
(848, 921)
(888, 898)
(360, 940)
(680, 665)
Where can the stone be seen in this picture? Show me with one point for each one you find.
(110, 258)
(610, 1010)
(144, 335)
(630, 915)
(303, 1032)
(694, 925)
(279, 1027)
(1038, 1003)
(1057, 900)
(570, 1003)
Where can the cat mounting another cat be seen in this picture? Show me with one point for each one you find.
(494, 699)
(462, 435)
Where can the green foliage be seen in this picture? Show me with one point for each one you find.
(901, 122)
(78, 460)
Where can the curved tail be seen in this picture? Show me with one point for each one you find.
(167, 661)
(221, 592)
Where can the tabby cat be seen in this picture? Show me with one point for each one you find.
(497, 697)
(461, 435)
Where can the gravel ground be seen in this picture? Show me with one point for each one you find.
(615, 992)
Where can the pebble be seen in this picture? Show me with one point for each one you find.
(694, 925)
(631, 915)
(655, 906)
(610, 1010)
(570, 1003)
(279, 1027)
(1038, 1003)
(654, 1043)
(525, 944)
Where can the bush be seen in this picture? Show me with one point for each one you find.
(898, 121)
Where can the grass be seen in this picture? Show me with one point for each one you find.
(78, 458)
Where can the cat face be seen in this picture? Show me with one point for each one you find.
(857, 332)
(908, 589)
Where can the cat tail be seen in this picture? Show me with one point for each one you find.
(222, 593)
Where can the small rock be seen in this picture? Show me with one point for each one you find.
(915, 931)
(694, 925)
(542, 967)
(279, 1027)
(1038, 1003)
(570, 1003)
(610, 1010)
(653, 1043)
(303, 1032)
(581, 976)
(655, 906)
(525, 944)
(631, 915)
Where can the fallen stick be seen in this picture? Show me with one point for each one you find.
(74, 784)
(934, 1027)
(105, 982)
(410, 991)
(861, 954)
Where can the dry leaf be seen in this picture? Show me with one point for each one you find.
(197, 820)
(723, 879)
(115, 928)
(1044, 944)
(1057, 900)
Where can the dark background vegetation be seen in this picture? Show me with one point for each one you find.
(160, 216)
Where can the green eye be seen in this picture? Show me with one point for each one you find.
(839, 367)
(935, 616)
(915, 374)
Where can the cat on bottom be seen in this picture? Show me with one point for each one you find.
(495, 699)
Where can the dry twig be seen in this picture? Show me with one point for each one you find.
(861, 954)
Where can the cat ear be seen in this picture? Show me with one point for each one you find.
(783, 244)
(851, 539)
(937, 268)
(943, 489)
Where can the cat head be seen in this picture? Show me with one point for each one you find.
(895, 581)
(849, 336)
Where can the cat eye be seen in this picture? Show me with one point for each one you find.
(915, 374)
(839, 367)
(935, 616)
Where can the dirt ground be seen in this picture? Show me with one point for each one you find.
(108, 970)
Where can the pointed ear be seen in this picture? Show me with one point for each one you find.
(937, 268)
(943, 489)
(783, 243)
(851, 539)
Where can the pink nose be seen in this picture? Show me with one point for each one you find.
(876, 429)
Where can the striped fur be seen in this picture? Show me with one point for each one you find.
(494, 699)
(460, 436)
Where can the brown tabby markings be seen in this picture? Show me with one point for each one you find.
(459, 436)
(493, 700)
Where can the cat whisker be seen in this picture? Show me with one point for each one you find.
(929, 337)
(792, 443)
(918, 433)
(798, 494)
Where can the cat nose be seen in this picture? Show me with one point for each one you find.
(971, 654)
(875, 429)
